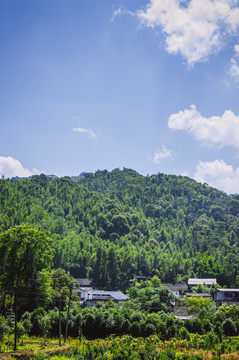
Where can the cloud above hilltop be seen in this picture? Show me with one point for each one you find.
(218, 174)
(213, 131)
(195, 29)
(10, 167)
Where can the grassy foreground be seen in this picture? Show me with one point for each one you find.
(120, 348)
(30, 347)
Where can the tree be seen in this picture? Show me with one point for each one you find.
(228, 311)
(199, 306)
(120, 224)
(229, 327)
(24, 251)
(62, 285)
(100, 275)
(113, 269)
(151, 295)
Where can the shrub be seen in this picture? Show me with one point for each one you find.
(229, 328)
(148, 330)
(134, 329)
(183, 334)
(4, 328)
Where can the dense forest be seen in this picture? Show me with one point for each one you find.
(110, 226)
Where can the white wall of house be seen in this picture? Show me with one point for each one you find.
(85, 293)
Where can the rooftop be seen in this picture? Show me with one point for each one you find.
(84, 282)
(202, 281)
(176, 287)
(205, 295)
(228, 290)
(117, 295)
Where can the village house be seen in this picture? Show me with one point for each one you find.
(226, 296)
(95, 296)
(84, 292)
(83, 287)
(178, 290)
(89, 296)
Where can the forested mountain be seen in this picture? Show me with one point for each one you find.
(110, 226)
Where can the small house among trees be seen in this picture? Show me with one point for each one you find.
(178, 290)
(101, 295)
(226, 296)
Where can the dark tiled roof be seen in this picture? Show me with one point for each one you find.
(140, 278)
(84, 282)
(101, 298)
(205, 295)
(176, 287)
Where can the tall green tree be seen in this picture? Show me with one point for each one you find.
(24, 252)
(62, 286)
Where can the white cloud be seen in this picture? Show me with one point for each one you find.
(234, 68)
(160, 155)
(213, 131)
(119, 11)
(236, 48)
(86, 131)
(219, 175)
(195, 28)
(83, 130)
(10, 167)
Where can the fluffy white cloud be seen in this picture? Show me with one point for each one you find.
(194, 28)
(213, 131)
(89, 132)
(219, 175)
(10, 167)
(160, 155)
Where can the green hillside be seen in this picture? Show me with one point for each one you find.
(110, 226)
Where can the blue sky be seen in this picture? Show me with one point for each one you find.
(147, 85)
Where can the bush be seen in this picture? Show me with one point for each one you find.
(134, 329)
(229, 328)
(125, 326)
(4, 328)
(148, 330)
(20, 330)
(183, 334)
(27, 325)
